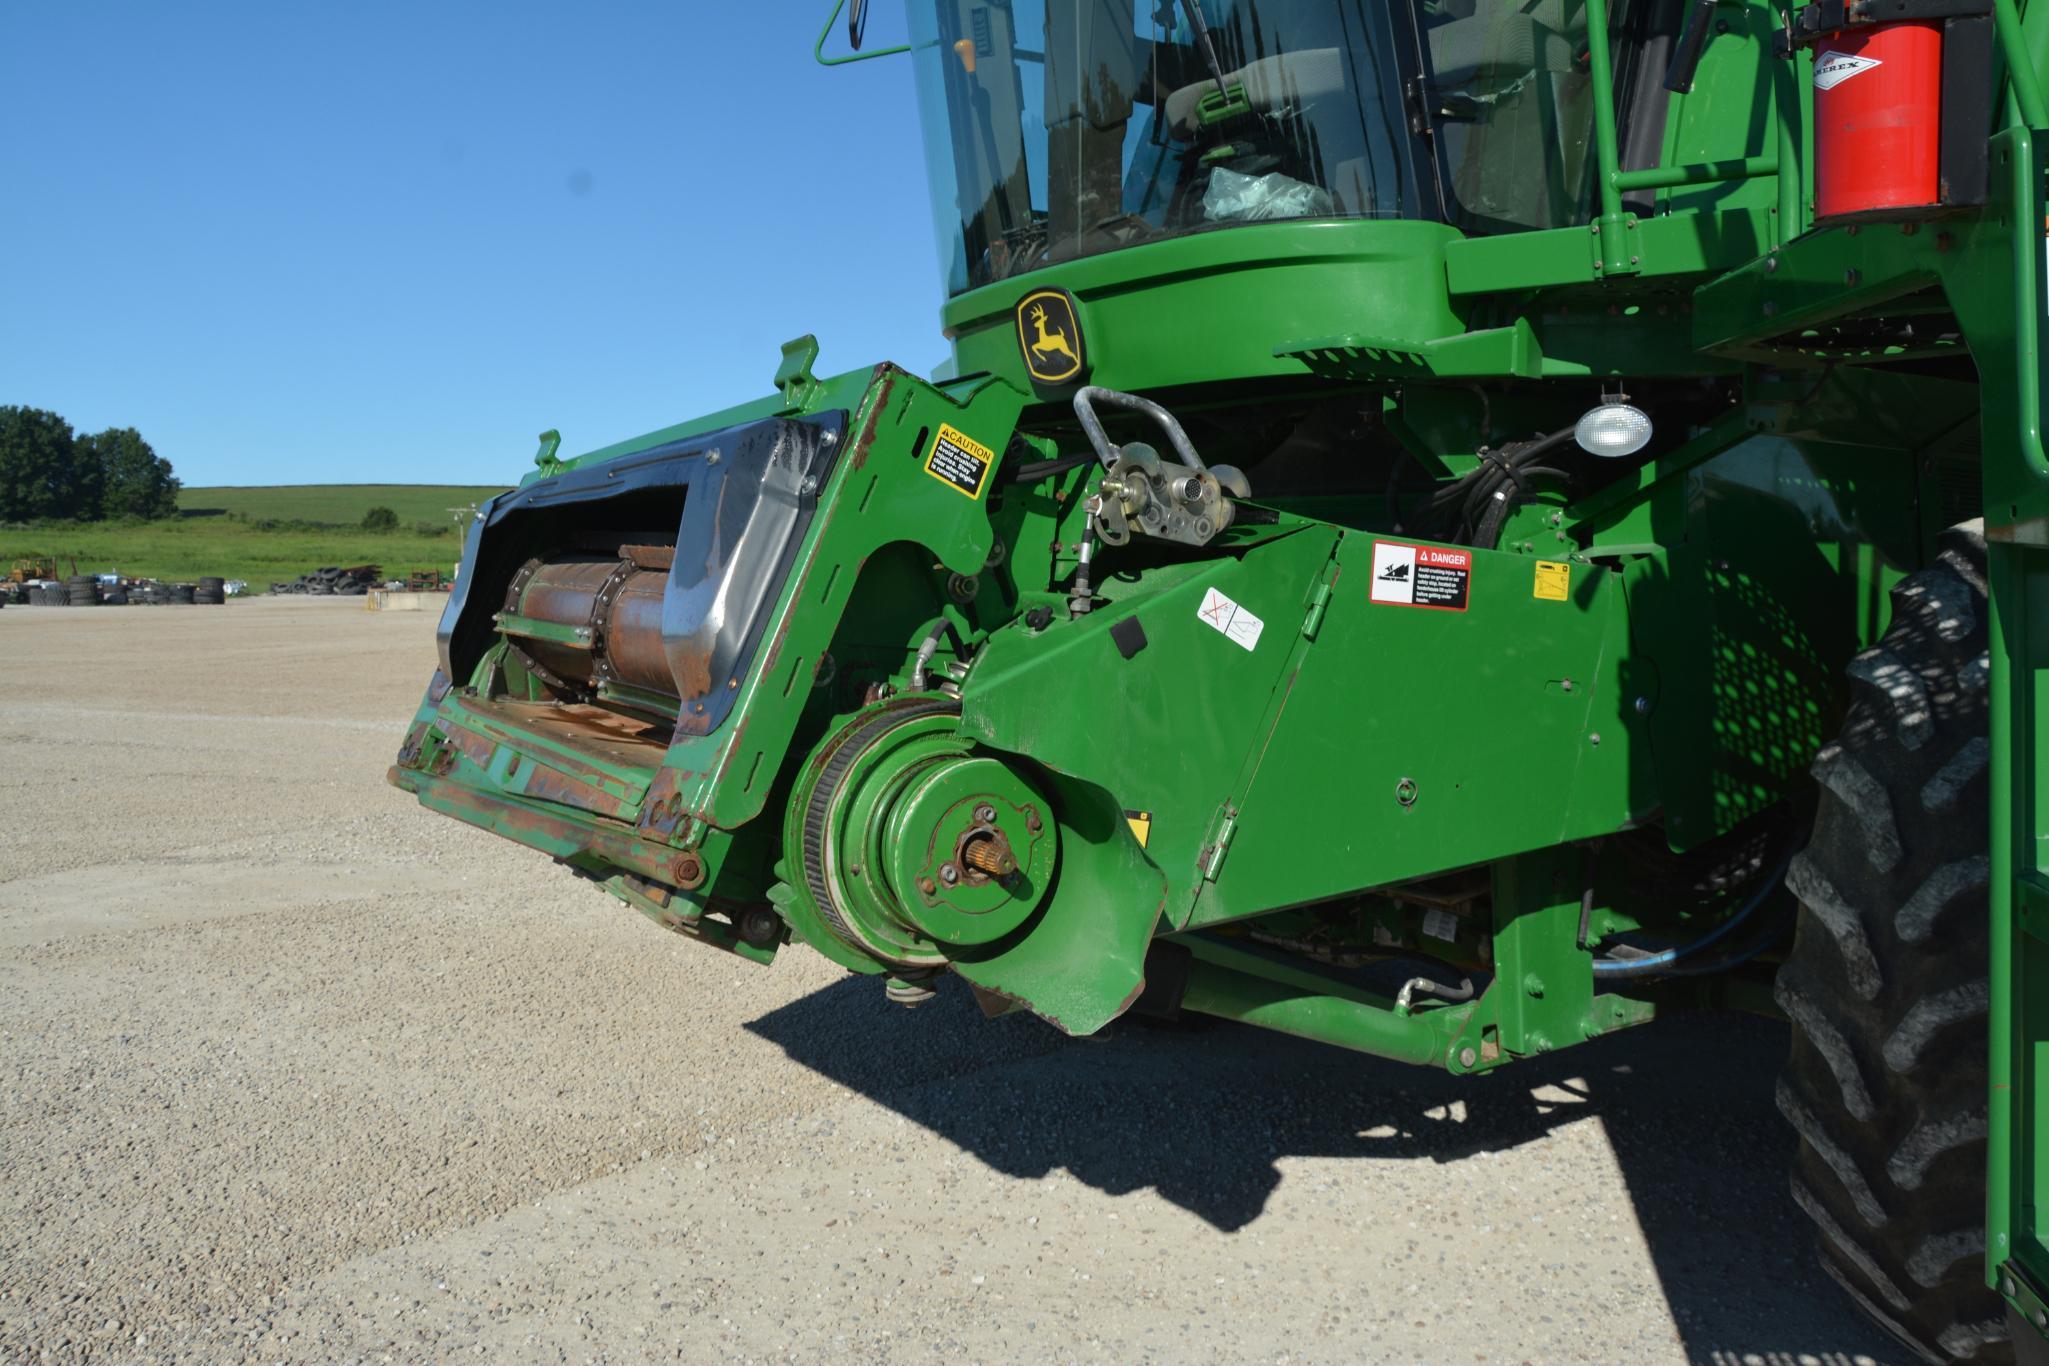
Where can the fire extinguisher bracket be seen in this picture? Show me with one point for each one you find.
(1825, 18)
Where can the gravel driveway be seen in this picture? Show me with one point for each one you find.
(293, 1070)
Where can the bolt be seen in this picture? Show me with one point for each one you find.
(2042, 1318)
(927, 886)
(810, 484)
(1565, 685)
(1534, 985)
(689, 871)
(711, 457)
(2007, 1286)
(1853, 276)
(948, 874)
(1467, 1057)
(1643, 706)
(1632, 260)
(985, 813)
(1406, 791)
(1594, 739)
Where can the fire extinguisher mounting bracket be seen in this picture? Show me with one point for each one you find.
(1824, 18)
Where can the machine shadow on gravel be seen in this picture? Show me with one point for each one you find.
(1204, 1118)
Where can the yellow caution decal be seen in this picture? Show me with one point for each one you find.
(1554, 581)
(959, 461)
(1141, 823)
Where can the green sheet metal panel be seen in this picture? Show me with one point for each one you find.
(1411, 739)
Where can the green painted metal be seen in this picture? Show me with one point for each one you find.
(1699, 173)
(818, 49)
(1310, 783)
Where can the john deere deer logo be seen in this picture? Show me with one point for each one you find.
(1048, 343)
(1049, 335)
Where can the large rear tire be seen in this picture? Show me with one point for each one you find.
(1887, 982)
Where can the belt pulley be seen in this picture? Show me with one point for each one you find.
(915, 847)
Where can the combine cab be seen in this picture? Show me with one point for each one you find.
(1450, 528)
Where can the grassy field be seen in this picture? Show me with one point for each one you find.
(221, 532)
(339, 504)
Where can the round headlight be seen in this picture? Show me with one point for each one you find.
(1613, 429)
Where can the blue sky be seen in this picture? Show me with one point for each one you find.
(376, 242)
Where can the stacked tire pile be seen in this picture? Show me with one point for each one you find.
(84, 591)
(352, 582)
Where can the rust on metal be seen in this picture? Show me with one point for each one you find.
(988, 852)
(649, 556)
(470, 745)
(551, 785)
(598, 734)
(614, 607)
(607, 841)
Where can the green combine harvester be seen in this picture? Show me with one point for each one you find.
(1449, 528)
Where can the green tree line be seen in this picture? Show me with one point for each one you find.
(49, 472)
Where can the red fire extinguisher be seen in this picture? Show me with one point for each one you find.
(1878, 120)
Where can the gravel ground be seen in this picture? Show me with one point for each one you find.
(293, 1070)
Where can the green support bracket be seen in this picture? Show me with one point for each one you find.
(1497, 352)
(2013, 1283)
(545, 458)
(793, 377)
(1236, 985)
(1544, 981)
(1617, 247)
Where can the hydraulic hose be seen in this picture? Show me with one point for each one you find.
(1484, 496)
(1673, 961)
(941, 626)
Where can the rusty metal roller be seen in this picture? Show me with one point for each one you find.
(605, 614)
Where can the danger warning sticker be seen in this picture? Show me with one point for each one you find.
(959, 461)
(1421, 575)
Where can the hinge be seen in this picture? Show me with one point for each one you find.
(1319, 599)
(1220, 842)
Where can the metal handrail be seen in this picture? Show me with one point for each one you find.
(818, 51)
(2023, 83)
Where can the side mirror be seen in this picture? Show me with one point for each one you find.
(857, 22)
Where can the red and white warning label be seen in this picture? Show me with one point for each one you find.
(1421, 575)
